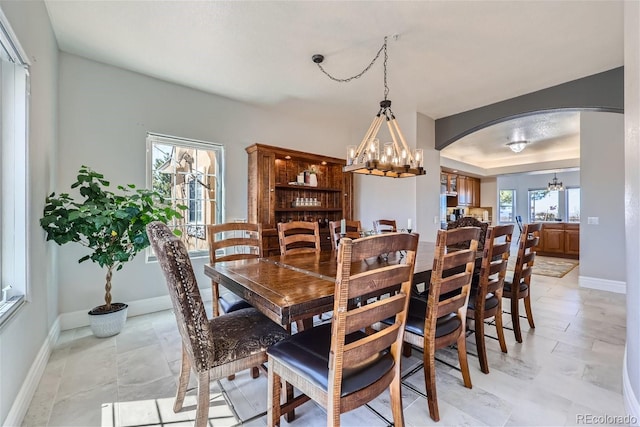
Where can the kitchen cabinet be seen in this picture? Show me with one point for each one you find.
(448, 184)
(468, 191)
(275, 195)
(560, 240)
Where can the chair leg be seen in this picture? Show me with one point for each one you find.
(406, 349)
(274, 389)
(430, 382)
(480, 344)
(396, 400)
(202, 407)
(527, 308)
(255, 372)
(216, 295)
(515, 317)
(462, 358)
(500, 330)
(183, 382)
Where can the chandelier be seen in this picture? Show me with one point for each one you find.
(395, 159)
(554, 185)
(517, 146)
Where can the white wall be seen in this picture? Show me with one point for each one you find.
(631, 370)
(428, 187)
(23, 336)
(602, 252)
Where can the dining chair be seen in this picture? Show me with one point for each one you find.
(352, 228)
(519, 287)
(298, 237)
(469, 221)
(229, 242)
(440, 320)
(486, 301)
(213, 348)
(385, 226)
(339, 365)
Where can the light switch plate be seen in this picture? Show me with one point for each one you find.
(593, 220)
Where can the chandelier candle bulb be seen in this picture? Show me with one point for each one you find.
(409, 224)
(343, 226)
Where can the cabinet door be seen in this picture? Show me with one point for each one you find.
(463, 191)
(475, 192)
(261, 189)
(453, 183)
(572, 241)
(553, 240)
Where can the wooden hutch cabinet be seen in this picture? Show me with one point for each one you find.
(276, 196)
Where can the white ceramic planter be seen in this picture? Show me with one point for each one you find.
(108, 324)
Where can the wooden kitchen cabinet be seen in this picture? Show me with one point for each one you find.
(275, 196)
(468, 191)
(559, 240)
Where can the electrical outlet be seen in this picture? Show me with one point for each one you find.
(593, 220)
(436, 219)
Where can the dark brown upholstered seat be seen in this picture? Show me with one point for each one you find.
(469, 221)
(340, 366)
(214, 348)
(438, 321)
(486, 302)
(298, 237)
(351, 227)
(520, 286)
(385, 226)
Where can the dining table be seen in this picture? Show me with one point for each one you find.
(296, 287)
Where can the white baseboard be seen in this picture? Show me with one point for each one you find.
(631, 405)
(602, 284)
(78, 319)
(23, 399)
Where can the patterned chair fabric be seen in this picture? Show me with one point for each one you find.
(214, 348)
(468, 221)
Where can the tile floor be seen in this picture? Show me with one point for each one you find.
(569, 365)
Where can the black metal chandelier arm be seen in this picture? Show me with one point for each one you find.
(317, 58)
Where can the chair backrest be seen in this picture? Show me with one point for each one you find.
(237, 240)
(469, 221)
(451, 276)
(173, 257)
(529, 239)
(298, 236)
(352, 229)
(519, 222)
(363, 272)
(385, 226)
(495, 257)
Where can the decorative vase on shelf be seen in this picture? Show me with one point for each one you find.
(313, 180)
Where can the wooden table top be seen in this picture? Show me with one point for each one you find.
(295, 287)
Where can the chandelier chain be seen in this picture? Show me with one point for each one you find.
(383, 48)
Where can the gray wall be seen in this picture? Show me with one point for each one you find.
(602, 254)
(25, 333)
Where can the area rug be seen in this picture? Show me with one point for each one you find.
(548, 266)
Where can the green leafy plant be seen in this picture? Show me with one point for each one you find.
(112, 225)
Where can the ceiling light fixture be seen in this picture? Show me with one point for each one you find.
(517, 146)
(395, 160)
(554, 185)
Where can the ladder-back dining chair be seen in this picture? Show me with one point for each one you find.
(213, 348)
(385, 226)
(229, 242)
(352, 229)
(440, 320)
(298, 237)
(339, 365)
(486, 301)
(519, 288)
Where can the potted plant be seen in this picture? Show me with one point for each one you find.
(111, 225)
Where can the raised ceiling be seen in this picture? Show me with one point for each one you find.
(450, 56)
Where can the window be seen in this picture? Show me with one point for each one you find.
(543, 205)
(573, 204)
(507, 205)
(14, 96)
(189, 172)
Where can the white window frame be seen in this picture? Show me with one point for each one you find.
(14, 173)
(513, 206)
(529, 212)
(191, 229)
(567, 191)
